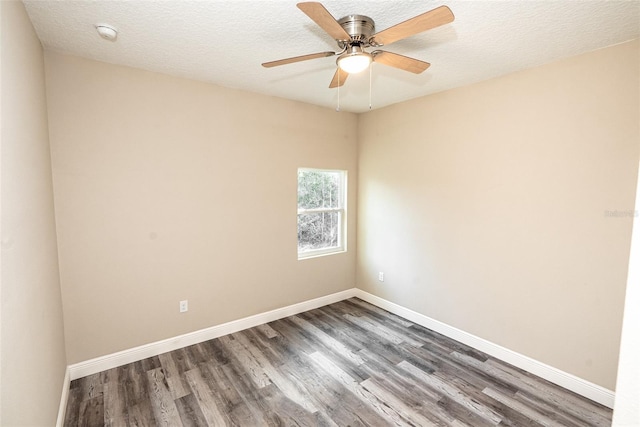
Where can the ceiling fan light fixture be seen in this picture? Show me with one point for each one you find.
(355, 60)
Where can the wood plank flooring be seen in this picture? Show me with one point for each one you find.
(345, 364)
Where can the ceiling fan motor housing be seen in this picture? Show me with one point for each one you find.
(359, 27)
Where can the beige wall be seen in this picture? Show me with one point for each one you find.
(169, 189)
(33, 354)
(485, 207)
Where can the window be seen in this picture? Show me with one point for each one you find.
(321, 212)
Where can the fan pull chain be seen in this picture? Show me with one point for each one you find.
(338, 107)
(370, 73)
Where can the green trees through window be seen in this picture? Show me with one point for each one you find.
(321, 202)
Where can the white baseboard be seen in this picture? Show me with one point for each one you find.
(564, 379)
(102, 363)
(571, 382)
(64, 397)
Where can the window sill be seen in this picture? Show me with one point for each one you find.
(318, 254)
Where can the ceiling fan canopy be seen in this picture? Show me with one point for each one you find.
(355, 33)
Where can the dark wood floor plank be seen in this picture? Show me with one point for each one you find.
(141, 414)
(190, 412)
(450, 368)
(373, 310)
(323, 390)
(361, 340)
(451, 392)
(295, 392)
(114, 404)
(521, 407)
(308, 343)
(205, 398)
(162, 402)
(225, 395)
(73, 406)
(281, 410)
(92, 386)
(150, 363)
(417, 394)
(267, 346)
(446, 345)
(136, 389)
(345, 364)
(584, 409)
(590, 412)
(173, 366)
(331, 328)
(247, 361)
(249, 412)
(392, 375)
(462, 415)
(266, 330)
(91, 412)
(331, 343)
(131, 369)
(405, 411)
(563, 418)
(216, 351)
(377, 405)
(385, 333)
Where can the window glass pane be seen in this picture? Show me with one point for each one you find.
(318, 189)
(318, 231)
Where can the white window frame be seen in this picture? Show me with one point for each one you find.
(342, 216)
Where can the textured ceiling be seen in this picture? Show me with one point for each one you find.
(224, 42)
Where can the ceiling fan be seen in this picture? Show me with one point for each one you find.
(355, 33)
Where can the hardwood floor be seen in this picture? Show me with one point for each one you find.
(345, 364)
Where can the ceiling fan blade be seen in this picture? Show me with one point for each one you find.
(400, 61)
(338, 78)
(297, 59)
(323, 18)
(426, 21)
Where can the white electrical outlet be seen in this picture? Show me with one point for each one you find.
(381, 276)
(184, 306)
